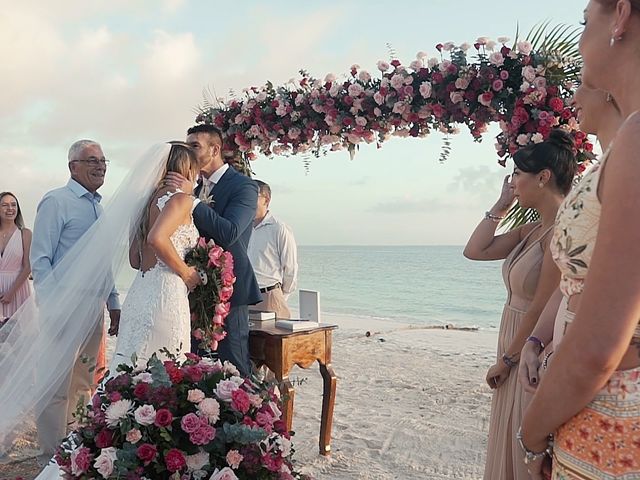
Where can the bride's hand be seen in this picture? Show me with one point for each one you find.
(175, 180)
(191, 278)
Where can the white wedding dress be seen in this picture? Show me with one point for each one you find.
(155, 314)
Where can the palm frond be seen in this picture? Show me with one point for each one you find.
(518, 216)
(560, 40)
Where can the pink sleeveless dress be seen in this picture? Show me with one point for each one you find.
(10, 267)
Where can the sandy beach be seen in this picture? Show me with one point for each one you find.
(411, 404)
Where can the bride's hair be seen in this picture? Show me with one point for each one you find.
(182, 159)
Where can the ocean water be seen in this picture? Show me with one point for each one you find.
(429, 285)
(426, 285)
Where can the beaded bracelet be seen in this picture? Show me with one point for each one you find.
(492, 217)
(508, 361)
(534, 339)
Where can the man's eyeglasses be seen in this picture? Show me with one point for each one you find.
(93, 161)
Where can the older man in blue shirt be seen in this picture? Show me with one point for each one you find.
(63, 216)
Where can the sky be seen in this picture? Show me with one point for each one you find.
(130, 73)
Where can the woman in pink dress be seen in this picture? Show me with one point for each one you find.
(15, 241)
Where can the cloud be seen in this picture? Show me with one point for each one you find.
(410, 205)
(360, 182)
(479, 181)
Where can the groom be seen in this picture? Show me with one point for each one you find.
(224, 212)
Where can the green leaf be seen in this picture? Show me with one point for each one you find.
(158, 372)
(243, 434)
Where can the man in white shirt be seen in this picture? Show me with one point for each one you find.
(274, 257)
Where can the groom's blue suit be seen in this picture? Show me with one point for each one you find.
(229, 221)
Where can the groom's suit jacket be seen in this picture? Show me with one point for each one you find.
(229, 222)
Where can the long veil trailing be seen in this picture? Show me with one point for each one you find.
(39, 344)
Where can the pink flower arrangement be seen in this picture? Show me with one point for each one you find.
(173, 429)
(210, 302)
(512, 86)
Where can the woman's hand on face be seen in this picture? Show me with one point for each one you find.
(507, 194)
(497, 374)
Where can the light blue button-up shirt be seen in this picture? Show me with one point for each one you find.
(63, 216)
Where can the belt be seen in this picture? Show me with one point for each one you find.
(272, 287)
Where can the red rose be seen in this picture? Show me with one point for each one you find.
(192, 357)
(566, 114)
(439, 47)
(163, 418)
(556, 104)
(141, 390)
(240, 400)
(395, 63)
(104, 439)
(173, 371)
(175, 460)
(147, 453)
(193, 373)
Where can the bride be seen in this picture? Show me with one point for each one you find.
(156, 313)
(39, 344)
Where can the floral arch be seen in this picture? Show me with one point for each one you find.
(526, 88)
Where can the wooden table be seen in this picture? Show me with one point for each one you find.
(281, 349)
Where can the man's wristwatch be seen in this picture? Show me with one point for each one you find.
(529, 456)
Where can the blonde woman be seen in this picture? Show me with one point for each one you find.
(589, 396)
(15, 242)
(156, 313)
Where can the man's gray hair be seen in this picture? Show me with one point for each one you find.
(78, 146)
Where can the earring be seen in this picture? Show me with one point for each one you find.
(540, 185)
(612, 41)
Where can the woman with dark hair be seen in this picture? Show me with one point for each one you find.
(589, 396)
(542, 176)
(15, 242)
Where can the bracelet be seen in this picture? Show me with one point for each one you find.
(534, 339)
(508, 361)
(529, 456)
(545, 362)
(494, 218)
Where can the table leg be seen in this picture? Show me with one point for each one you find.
(287, 394)
(328, 402)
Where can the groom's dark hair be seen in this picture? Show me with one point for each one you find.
(209, 129)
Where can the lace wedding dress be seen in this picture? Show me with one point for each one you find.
(155, 314)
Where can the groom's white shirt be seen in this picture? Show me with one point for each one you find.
(209, 182)
(217, 175)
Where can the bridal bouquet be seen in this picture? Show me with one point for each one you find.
(209, 302)
(196, 419)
